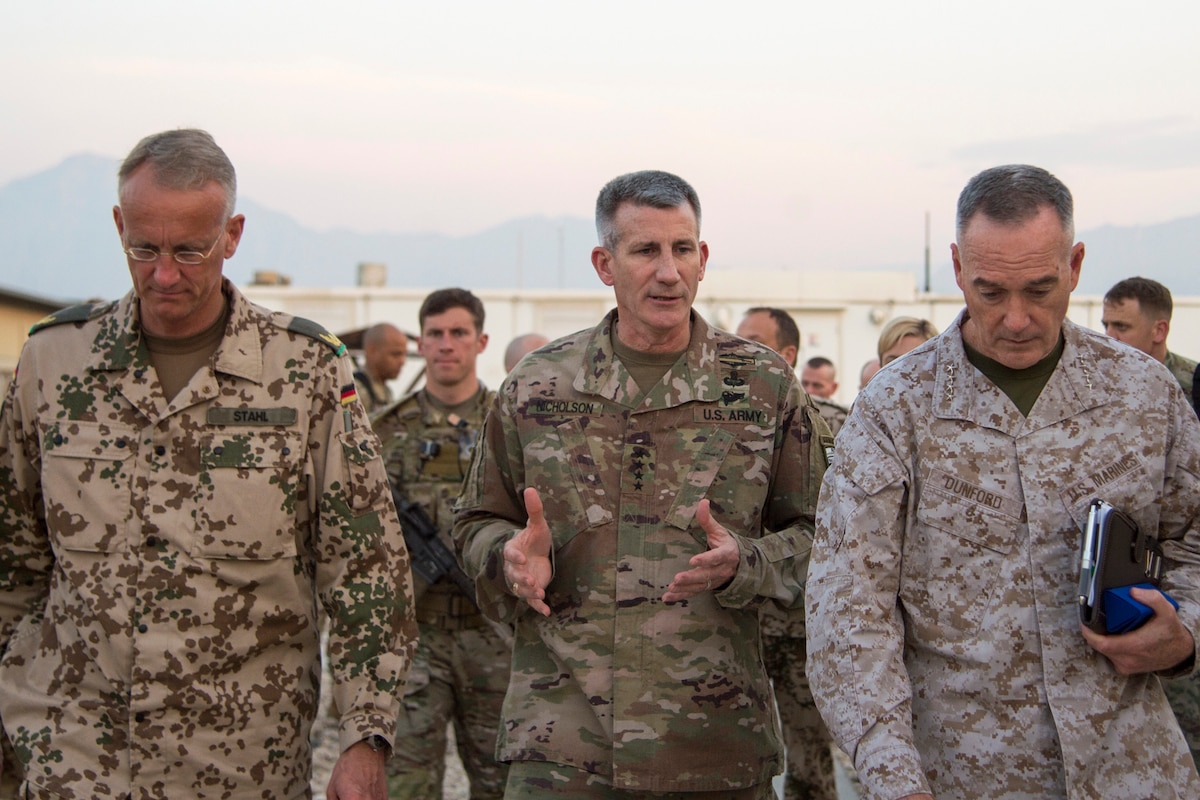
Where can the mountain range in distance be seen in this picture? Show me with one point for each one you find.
(57, 233)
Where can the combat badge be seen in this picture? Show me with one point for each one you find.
(733, 404)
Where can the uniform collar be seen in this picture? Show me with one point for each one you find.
(694, 377)
(118, 344)
(963, 392)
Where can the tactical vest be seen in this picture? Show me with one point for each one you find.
(427, 453)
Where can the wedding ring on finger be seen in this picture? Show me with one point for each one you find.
(516, 587)
(708, 584)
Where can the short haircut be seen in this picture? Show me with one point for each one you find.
(819, 362)
(442, 300)
(183, 159)
(1013, 194)
(378, 333)
(1153, 298)
(900, 327)
(789, 334)
(646, 188)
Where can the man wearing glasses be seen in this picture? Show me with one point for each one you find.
(184, 477)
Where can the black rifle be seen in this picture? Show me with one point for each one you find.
(427, 554)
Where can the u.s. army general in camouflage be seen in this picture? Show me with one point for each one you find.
(654, 696)
(945, 648)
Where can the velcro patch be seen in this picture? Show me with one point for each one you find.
(545, 405)
(252, 416)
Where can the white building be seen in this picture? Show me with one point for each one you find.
(840, 314)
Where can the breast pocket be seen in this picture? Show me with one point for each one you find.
(568, 468)
(954, 559)
(86, 476)
(247, 493)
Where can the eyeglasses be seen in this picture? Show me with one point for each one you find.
(182, 256)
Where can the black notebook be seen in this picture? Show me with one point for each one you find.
(1114, 554)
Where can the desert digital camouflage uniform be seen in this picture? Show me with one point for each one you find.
(160, 562)
(646, 695)
(463, 661)
(833, 414)
(945, 572)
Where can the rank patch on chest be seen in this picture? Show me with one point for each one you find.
(252, 416)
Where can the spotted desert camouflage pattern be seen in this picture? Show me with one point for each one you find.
(945, 650)
(651, 696)
(161, 562)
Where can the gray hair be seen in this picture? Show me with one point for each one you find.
(646, 188)
(186, 158)
(1013, 194)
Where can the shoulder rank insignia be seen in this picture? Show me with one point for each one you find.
(314, 331)
(79, 313)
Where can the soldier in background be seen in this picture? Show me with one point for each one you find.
(1137, 311)
(519, 346)
(867, 372)
(463, 661)
(385, 349)
(639, 489)
(901, 335)
(818, 377)
(946, 564)
(176, 505)
(775, 328)
(810, 772)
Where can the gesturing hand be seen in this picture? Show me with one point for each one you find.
(714, 567)
(527, 557)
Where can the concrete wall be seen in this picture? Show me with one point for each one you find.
(840, 314)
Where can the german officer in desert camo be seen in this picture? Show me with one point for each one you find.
(185, 476)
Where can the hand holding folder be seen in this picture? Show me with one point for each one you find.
(1114, 557)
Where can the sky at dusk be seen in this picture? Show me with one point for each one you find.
(818, 135)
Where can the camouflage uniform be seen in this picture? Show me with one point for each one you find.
(833, 414)
(463, 661)
(161, 561)
(810, 774)
(649, 696)
(944, 639)
(374, 395)
(1184, 695)
(809, 746)
(1184, 370)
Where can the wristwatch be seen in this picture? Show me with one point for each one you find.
(377, 743)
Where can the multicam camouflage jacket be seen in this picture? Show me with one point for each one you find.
(833, 413)
(945, 649)
(161, 561)
(1184, 370)
(655, 696)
